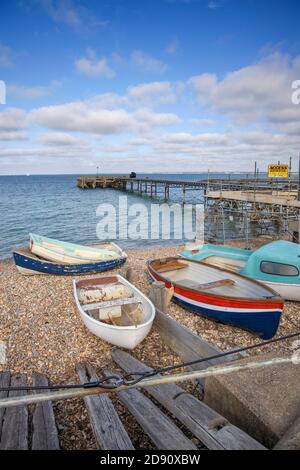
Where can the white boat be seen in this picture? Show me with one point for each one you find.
(71, 253)
(114, 310)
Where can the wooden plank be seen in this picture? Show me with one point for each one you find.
(45, 436)
(108, 429)
(165, 267)
(111, 303)
(4, 382)
(187, 344)
(207, 285)
(210, 427)
(15, 424)
(161, 430)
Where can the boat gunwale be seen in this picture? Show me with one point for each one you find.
(119, 255)
(113, 327)
(26, 252)
(275, 299)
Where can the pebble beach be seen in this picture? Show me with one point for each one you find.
(41, 331)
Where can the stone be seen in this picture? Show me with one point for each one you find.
(2, 353)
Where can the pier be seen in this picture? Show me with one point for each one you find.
(154, 187)
(271, 205)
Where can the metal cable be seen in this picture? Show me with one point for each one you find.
(142, 375)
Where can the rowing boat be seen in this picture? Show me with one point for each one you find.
(276, 264)
(114, 310)
(27, 263)
(220, 294)
(71, 253)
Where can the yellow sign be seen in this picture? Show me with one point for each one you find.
(278, 171)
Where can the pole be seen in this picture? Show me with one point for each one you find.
(158, 380)
(299, 181)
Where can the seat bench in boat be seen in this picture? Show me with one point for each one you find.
(208, 285)
(169, 266)
(111, 303)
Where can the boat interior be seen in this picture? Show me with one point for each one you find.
(129, 309)
(110, 250)
(202, 277)
(224, 263)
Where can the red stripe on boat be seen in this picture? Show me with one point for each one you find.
(219, 301)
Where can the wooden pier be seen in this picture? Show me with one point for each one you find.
(270, 203)
(155, 187)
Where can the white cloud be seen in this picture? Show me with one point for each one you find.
(5, 56)
(257, 92)
(161, 92)
(87, 116)
(146, 63)
(12, 119)
(203, 122)
(146, 116)
(74, 15)
(13, 135)
(212, 5)
(59, 139)
(93, 66)
(250, 108)
(81, 117)
(29, 93)
(173, 47)
(68, 152)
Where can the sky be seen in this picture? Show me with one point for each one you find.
(148, 85)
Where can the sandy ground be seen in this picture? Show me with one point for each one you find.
(43, 332)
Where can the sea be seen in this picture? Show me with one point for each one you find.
(53, 206)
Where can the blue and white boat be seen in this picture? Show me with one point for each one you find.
(27, 263)
(276, 264)
(72, 253)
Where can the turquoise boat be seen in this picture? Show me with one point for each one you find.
(70, 253)
(276, 264)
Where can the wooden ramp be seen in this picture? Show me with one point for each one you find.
(214, 431)
(107, 427)
(198, 419)
(15, 422)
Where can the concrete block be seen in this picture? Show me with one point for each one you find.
(263, 402)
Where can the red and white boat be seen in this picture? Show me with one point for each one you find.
(220, 294)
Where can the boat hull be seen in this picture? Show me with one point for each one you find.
(262, 322)
(286, 291)
(70, 253)
(253, 315)
(30, 265)
(115, 337)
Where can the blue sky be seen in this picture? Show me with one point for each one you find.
(164, 85)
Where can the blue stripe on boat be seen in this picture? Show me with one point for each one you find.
(45, 267)
(265, 324)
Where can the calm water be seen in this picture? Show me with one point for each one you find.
(53, 206)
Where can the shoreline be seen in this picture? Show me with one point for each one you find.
(42, 331)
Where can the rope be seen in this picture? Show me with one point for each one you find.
(204, 359)
(142, 375)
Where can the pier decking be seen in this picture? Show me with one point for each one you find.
(281, 198)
